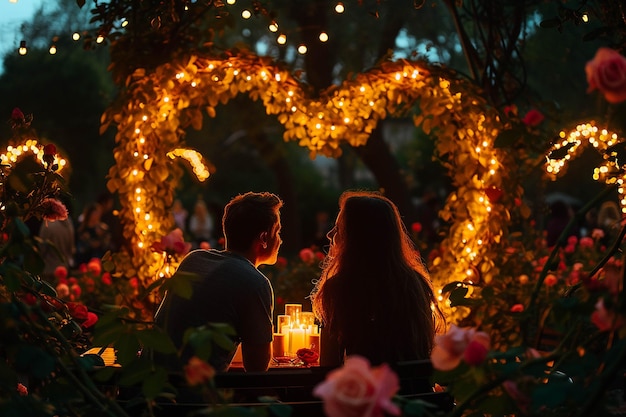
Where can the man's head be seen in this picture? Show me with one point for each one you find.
(251, 223)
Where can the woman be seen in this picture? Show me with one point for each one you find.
(374, 297)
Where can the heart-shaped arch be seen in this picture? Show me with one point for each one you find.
(160, 104)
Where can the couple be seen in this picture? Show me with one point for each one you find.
(374, 297)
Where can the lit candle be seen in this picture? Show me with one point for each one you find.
(278, 345)
(293, 310)
(282, 323)
(297, 340)
(314, 342)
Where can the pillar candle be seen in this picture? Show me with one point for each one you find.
(296, 340)
(314, 342)
(278, 345)
(282, 323)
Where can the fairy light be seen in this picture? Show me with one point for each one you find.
(323, 37)
(302, 49)
(282, 39)
(339, 8)
(22, 50)
(76, 36)
(273, 27)
(246, 14)
(100, 39)
(53, 49)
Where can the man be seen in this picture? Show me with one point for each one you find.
(231, 289)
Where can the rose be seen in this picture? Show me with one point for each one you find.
(533, 118)
(307, 356)
(451, 347)
(356, 389)
(53, 209)
(198, 372)
(49, 151)
(106, 278)
(60, 273)
(604, 319)
(94, 266)
(550, 280)
(91, 319)
(416, 227)
(606, 72)
(78, 311)
(17, 114)
(307, 256)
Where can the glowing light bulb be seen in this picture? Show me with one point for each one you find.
(273, 27)
(23, 50)
(53, 49)
(323, 37)
(282, 39)
(339, 7)
(302, 49)
(246, 14)
(76, 36)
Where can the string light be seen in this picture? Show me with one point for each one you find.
(53, 49)
(323, 37)
(22, 50)
(246, 14)
(339, 8)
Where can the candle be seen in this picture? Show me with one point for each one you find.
(282, 323)
(293, 310)
(278, 345)
(307, 318)
(314, 342)
(297, 340)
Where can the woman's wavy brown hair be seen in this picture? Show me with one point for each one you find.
(374, 292)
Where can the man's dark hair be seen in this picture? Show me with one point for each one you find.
(248, 215)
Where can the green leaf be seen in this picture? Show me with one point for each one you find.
(155, 383)
(127, 348)
(157, 340)
(457, 296)
(181, 284)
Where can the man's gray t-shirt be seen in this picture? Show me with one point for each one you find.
(229, 290)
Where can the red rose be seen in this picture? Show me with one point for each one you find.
(91, 319)
(606, 72)
(533, 118)
(476, 352)
(60, 273)
(49, 149)
(307, 356)
(106, 278)
(78, 311)
(17, 114)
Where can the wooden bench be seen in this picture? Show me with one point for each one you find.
(294, 388)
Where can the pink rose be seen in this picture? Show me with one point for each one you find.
(63, 291)
(53, 209)
(198, 372)
(356, 389)
(606, 72)
(307, 256)
(451, 347)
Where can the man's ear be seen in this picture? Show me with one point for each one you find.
(263, 238)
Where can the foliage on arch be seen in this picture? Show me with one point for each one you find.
(160, 104)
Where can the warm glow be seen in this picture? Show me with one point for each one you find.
(339, 8)
(302, 49)
(246, 14)
(324, 37)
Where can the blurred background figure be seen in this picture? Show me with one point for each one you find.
(180, 214)
(609, 220)
(93, 237)
(201, 224)
(560, 216)
(57, 246)
(110, 217)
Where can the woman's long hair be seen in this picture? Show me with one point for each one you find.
(374, 292)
